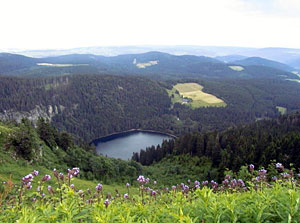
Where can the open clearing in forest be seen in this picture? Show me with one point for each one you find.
(236, 68)
(282, 110)
(192, 95)
(60, 65)
(144, 65)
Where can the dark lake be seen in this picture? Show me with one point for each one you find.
(124, 144)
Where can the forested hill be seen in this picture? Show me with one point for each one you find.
(91, 106)
(263, 62)
(259, 143)
(155, 65)
(87, 106)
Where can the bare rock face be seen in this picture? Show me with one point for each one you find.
(46, 112)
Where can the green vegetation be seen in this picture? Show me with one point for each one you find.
(236, 68)
(255, 198)
(192, 95)
(24, 147)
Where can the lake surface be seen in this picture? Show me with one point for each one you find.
(124, 144)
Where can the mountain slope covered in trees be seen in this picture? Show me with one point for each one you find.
(260, 143)
(91, 106)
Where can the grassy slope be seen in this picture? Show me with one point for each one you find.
(194, 92)
(18, 168)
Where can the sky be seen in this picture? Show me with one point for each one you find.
(62, 24)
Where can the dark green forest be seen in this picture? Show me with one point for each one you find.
(260, 143)
(92, 106)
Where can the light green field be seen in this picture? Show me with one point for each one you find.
(236, 68)
(194, 92)
(148, 64)
(282, 110)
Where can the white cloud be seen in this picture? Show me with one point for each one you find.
(283, 8)
(74, 23)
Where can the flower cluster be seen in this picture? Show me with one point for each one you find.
(142, 180)
(26, 181)
(73, 172)
(279, 166)
(197, 184)
(46, 177)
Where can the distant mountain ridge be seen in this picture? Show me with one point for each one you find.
(263, 62)
(152, 64)
(283, 55)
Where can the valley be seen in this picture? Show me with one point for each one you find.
(223, 116)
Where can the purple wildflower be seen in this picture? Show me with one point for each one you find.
(251, 167)
(142, 180)
(227, 177)
(262, 172)
(196, 183)
(274, 178)
(153, 193)
(27, 178)
(285, 175)
(241, 183)
(126, 196)
(225, 182)
(127, 185)
(72, 186)
(50, 190)
(173, 187)
(204, 183)
(106, 203)
(46, 178)
(55, 173)
(154, 182)
(279, 166)
(99, 187)
(75, 171)
(35, 173)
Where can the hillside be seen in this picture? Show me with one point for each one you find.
(91, 106)
(23, 146)
(259, 143)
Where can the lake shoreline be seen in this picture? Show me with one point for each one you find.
(124, 133)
